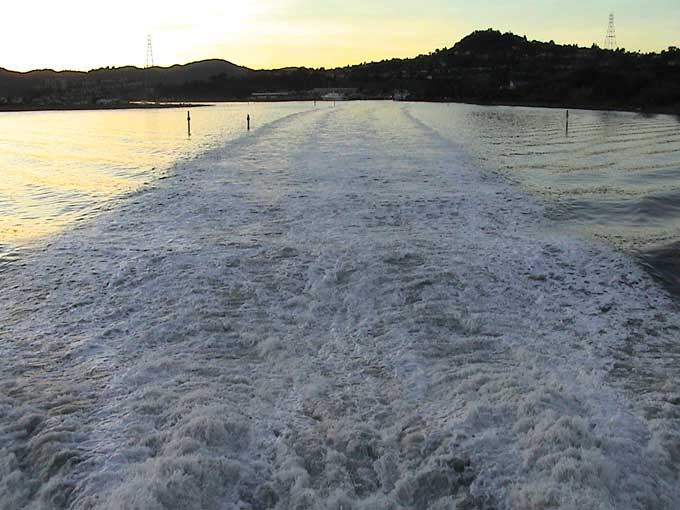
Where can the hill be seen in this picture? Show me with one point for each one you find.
(484, 67)
(73, 87)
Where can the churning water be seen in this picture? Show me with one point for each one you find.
(339, 311)
(613, 175)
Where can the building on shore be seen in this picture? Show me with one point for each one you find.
(335, 93)
(276, 96)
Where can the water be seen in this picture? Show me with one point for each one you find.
(338, 311)
(613, 175)
(58, 168)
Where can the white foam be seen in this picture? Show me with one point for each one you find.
(339, 312)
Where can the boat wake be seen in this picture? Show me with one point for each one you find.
(341, 312)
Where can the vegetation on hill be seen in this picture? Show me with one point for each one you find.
(486, 67)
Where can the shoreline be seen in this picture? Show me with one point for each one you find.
(129, 106)
(566, 106)
(672, 111)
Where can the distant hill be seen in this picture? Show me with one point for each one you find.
(492, 67)
(486, 66)
(491, 41)
(198, 71)
(127, 82)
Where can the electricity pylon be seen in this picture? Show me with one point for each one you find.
(610, 39)
(147, 67)
(149, 53)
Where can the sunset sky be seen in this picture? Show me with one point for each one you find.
(77, 34)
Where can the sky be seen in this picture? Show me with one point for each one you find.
(262, 34)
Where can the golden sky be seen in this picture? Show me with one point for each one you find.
(81, 34)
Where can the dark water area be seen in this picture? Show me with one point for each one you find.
(614, 176)
(663, 263)
(634, 212)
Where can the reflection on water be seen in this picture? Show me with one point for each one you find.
(614, 175)
(58, 167)
(7, 258)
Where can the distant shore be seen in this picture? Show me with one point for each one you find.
(565, 106)
(125, 106)
(675, 110)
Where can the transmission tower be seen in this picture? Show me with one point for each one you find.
(148, 90)
(149, 53)
(610, 39)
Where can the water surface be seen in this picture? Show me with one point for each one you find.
(337, 312)
(612, 175)
(58, 167)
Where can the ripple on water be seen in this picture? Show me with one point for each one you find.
(614, 175)
(8, 257)
(663, 263)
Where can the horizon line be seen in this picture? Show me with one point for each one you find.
(170, 66)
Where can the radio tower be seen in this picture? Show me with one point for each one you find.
(147, 67)
(149, 53)
(610, 39)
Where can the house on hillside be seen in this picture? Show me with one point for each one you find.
(335, 94)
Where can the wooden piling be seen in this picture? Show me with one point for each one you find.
(188, 123)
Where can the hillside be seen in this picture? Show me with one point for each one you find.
(491, 67)
(71, 87)
(485, 67)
